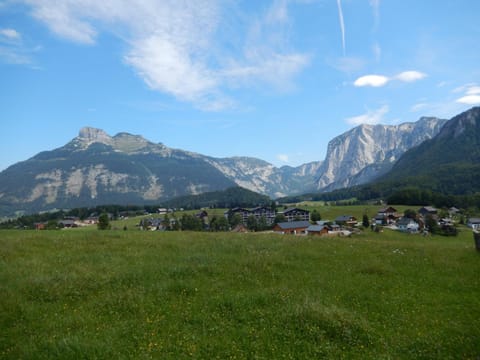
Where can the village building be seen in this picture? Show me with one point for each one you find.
(292, 227)
(327, 230)
(386, 216)
(318, 230)
(263, 211)
(335, 227)
(242, 212)
(453, 211)
(91, 220)
(151, 224)
(68, 223)
(407, 224)
(446, 222)
(388, 211)
(296, 214)
(428, 210)
(380, 220)
(346, 220)
(474, 223)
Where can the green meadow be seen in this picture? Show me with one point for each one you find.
(85, 294)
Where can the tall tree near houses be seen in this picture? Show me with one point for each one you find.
(103, 222)
(365, 221)
(315, 216)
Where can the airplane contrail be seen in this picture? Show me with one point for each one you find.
(342, 24)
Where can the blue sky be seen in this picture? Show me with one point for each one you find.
(270, 79)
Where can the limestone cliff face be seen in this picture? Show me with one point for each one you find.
(367, 151)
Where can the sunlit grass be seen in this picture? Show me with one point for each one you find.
(123, 294)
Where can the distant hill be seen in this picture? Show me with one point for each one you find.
(448, 164)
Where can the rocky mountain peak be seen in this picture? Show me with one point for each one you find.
(92, 135)
(123, 142)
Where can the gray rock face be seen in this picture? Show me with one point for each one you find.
(368, 151)
(264, 178)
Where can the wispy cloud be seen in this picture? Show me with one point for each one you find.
(278, 12)
(376, 80)
(175, 47)
(13, 50)
(342, 25)
(377, 51)
(375, 4)
(9, 34)
(370, 117)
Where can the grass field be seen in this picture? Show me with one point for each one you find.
(124, 294)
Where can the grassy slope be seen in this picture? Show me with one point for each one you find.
(124, 294)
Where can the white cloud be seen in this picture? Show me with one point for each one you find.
(469, 99)
(370, 117)
(371, 80)
(283, 158)
(375, 80)
(175, 46)
(471, 94)
(167, 67)
(10, 34)
(410, 76)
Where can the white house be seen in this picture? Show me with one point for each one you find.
(407, 225)
(474, 223)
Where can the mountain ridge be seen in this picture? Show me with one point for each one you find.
(95, 167)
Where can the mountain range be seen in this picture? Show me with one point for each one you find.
(96, 168)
